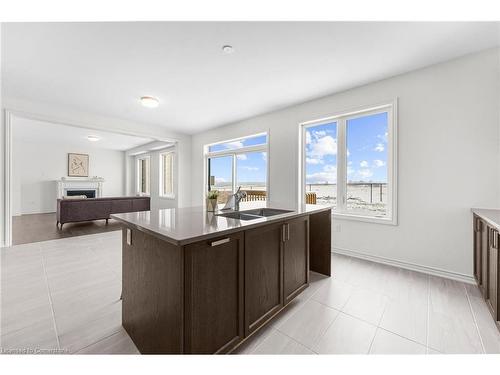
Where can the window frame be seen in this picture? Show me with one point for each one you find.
(234, 153)
(341, 119)
(138, 160)
(161, 179)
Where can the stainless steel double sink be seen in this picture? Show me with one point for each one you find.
(257, 213)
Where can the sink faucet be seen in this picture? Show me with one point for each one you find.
(238, 196)
(234, 200)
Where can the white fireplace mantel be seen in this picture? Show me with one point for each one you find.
(78, 183)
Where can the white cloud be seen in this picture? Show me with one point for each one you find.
(365, 173)
(219, 180)
(241, 157)
(330, 168)
(323, 146)
(383, 137)
(363, 164)
(379, 147)
(378, 163)
(234, 144)
(250, 168)
(329, 174)
(319, 133)
(314, 161)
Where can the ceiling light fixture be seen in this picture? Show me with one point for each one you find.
(227, 49)
(93, 138)
(150, 101)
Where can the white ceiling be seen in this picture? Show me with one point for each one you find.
(35, 131)
(105, 67)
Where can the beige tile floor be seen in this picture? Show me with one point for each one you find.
(62, 296)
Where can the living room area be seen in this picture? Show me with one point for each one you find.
(67, 180)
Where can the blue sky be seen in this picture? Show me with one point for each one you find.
(366, 145)
(366, 160)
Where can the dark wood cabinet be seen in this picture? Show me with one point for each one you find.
(263, 274)
(484, 253)
(493, 287)
(477, 251)
(487, 265)
(295, 257)
(214, 294)
(152, 292)
(209, 295)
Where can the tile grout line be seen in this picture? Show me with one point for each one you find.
(98, 341)
(474, 318)
(291, 338)
(50, 298)
(378, 327)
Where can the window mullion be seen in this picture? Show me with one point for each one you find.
(234, 173)
(341, 165)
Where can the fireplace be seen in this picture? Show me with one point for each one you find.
(87, 193)
(91, 187)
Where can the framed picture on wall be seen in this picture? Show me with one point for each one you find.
(78, 165)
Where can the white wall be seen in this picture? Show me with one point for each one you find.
(448, 159)
(36, 166)
(2, 155)
(53, 113)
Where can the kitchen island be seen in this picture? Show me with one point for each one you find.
(197, 282)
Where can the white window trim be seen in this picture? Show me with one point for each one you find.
(161, 180)
(392, 177)
(137, 179)
(234, 153)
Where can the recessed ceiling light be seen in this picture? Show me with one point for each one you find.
(93, 138)
(150, 102)
(227, 49)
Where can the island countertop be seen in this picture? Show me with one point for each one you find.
(181, 226)
(490, 215)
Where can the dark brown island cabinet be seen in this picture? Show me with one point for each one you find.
(486, 264)
(210, 295)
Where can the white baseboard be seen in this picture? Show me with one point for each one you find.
(406, 265)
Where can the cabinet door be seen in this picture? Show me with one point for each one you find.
(493, 274)
(263, 274)
(477, 250)
(214, 295)
(485, 243)
(295, 258)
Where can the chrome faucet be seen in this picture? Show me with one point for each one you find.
(238, 196)
(233, 203)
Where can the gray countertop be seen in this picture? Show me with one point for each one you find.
(490, 215)
(181, 226)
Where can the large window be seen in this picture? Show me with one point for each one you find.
(349, 162)
(143, 176)
(167, 174)
(241, 162)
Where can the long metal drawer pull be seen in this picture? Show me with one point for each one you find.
(220, 242)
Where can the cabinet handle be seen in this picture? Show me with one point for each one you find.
(288, 232)
(220, 242)
(283, 234)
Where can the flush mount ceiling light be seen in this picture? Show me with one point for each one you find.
(93, 138)
(150, 101)
(227, 49)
